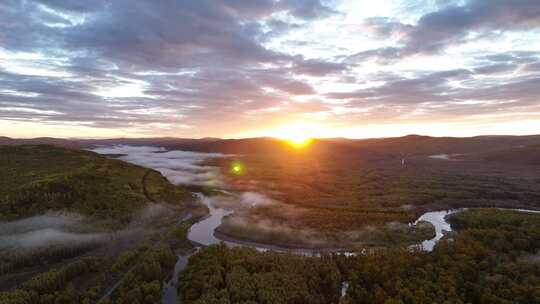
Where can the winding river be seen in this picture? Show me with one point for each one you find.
(182, 167)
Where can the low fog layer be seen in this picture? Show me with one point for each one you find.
(248, 215)
(49, 237)
(45, 230)
(264, 220)
(52, 221)
(63, 230)
(232, 201)
(180, 167)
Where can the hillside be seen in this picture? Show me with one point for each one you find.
(411, 145)
(526, 155)
(38, 178)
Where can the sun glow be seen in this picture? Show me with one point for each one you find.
(299, 142)
(298, 135)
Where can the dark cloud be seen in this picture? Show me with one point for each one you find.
(385, 27)
(182, 62)
(317, 67)
(383, 55)
(532, 67)
(399, 90)
(158, 33)
(110, 44)
(495, 69)
(450, 25)
(75, 5)
(308, 9)
(434, 95)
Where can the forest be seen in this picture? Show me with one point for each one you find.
(492, 258)
(39, 178)
(102, 222)
(141, 284)
(139, 273)
(335, 193)
(219, 274)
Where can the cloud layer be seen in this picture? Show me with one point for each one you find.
(241, 68)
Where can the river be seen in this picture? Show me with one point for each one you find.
(182, 167)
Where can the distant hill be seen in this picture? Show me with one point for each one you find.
(412, 145)
(38, 178)
(406, 146)
(6, 141)
(529, 155)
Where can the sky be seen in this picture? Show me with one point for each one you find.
(246, 68)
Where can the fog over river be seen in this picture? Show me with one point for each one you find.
(186, 168)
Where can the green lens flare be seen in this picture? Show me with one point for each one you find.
(237, 168)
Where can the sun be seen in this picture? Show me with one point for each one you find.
(299, 142)
(297, 135)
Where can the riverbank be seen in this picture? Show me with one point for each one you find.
(390, 235)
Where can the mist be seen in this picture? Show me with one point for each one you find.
(50, 220)
(261, 219)
(250, 215)
(49, 237)
(179, 167)
(71, 230)
(44, 231)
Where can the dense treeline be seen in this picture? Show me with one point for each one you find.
(142, 284)
(54, 286)
(493, 258)
(496, 219)
(36, 179)
(11, 260)
(110, 193)
(218, 274)
(335, 192)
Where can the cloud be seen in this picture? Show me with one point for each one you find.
(385, 27)
(454, 24)
(532, 67)
(495, 69)
(117, 73)
(308, 9)
(448, 95)
(382, 55)
(215, 68)
(315, 67)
